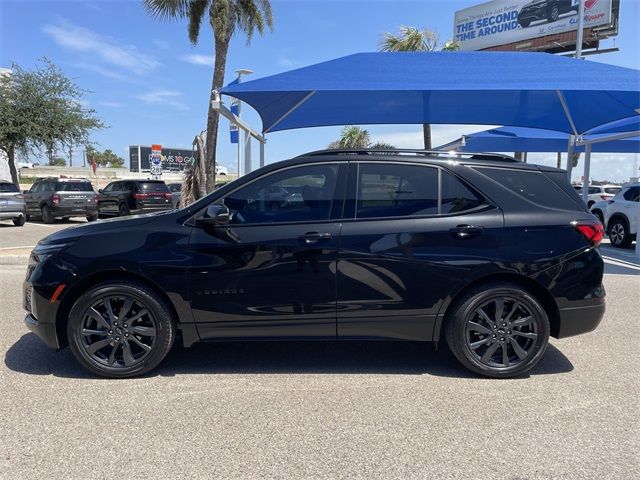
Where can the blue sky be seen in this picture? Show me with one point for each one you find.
(152, 86)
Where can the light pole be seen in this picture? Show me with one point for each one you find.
(238, 103)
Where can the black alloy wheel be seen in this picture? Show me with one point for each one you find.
(92, 218)
(599, 215)
(554, 13)
(619, 233)
(499, 330)
(123, 210)
(120, 329)
(19, 221)
(47, 216)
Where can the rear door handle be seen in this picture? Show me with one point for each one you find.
(314, 237)
(465, 231)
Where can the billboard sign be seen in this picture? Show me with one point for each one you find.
(141, 159)
(503, 22)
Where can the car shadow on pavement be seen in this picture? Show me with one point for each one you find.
(29, 355)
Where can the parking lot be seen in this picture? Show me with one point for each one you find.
(394, 410)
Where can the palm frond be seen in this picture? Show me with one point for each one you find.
(166, 9)
(197, 9)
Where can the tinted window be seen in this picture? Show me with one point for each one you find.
(456, 196)
(612, 190)
(293, 195)
(632, 194)
(8, 187)
(593, 190)
(175, 187)
(394, 190)
(108, 188)
(73, 187)
(533, 186)
(152, 187)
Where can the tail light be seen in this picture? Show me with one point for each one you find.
(55, 199)
(95, 199)
(168, 196)
(140, 196)
(604, 197)
(593, 231)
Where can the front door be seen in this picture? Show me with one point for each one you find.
(271, 271)
(416, 234)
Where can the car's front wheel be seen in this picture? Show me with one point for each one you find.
(619, 233)
(123, 210)
(120, 329)
(498, 330)
(92, 218)
(553, 13)
(19, 221)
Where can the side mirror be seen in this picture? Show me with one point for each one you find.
(216, 214)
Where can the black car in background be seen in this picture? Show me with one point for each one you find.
(490, 254)
(124, 197)
(548, 10)
(51, 198)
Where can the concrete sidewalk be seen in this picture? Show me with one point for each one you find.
(15, 256)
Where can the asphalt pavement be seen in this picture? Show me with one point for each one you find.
(324, 410)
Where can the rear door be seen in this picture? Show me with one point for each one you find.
(75, 196)
(415, 234)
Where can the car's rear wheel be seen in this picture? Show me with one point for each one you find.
(599, 215)
(92, 218)
(123, 210)
(47, 216)
(120, 329)
(498, 330)
(19, 221)
(619, 233)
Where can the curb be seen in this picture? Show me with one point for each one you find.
(14, 259)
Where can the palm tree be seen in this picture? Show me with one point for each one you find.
(353, 136)
(225, 18)
(412, 39)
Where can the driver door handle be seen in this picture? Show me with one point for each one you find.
(314, 237)
(466, 231)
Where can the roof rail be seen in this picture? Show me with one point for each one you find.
(410, 151)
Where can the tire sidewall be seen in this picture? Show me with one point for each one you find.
(123, 210)
(625, 231)
(458, 322)
(164, 327)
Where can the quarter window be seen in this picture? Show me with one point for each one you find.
(632, 194)
(299, 194)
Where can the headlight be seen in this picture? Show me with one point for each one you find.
(43, 251)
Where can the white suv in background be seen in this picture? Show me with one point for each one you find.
(599, 192)
(620, 215)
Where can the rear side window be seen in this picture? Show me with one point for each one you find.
(152, 187)
(388, 190)
(73, 187)
(536, 187)
(456, 196)
(8, 188)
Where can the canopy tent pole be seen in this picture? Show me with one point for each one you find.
(570, 149)
(288, 112)
(587, 171)
(567, 113)
(247, 152)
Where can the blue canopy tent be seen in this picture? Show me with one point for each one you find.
(535, 90)
(523, 139)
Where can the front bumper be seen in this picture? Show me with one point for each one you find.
(577, 320)
(46, 331)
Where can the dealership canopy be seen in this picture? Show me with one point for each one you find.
(536, 90)
(523, 139)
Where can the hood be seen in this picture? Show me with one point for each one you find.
(73, 233)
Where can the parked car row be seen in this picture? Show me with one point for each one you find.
(54, 198)
(599, 192)
(619, 215)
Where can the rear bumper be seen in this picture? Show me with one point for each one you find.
(59, 211)
(4, 214)
(577, 320)
(46, 331)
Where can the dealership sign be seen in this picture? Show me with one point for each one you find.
(502, 22)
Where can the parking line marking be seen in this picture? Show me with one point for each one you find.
(620, 264)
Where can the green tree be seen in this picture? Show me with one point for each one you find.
(41, 109)
(57, 162)
(412, 39)
(353, 136)
(225, 18)
(103, 159)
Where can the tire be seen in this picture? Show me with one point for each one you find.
(92, 218)
(482, 349)
(47, 216)
(116, 351)
(525, 23)
(619, 233)
(123, 210)
(66, 219)
(20, 221)
(553, 13)
(599, 216)
(590, 203)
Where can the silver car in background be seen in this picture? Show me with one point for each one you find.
(12, 204)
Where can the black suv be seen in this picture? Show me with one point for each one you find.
(548, 10)
(134, 196)
(51, 198)
(491, 254)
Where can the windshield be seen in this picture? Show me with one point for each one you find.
(612, 190)
(153, 187)
(73, 187)
(8, 187)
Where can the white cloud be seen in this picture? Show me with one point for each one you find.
(198, 59)
(107, 49)
(164, 97)
(287, 62)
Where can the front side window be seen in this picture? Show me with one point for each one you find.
(294, 195)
